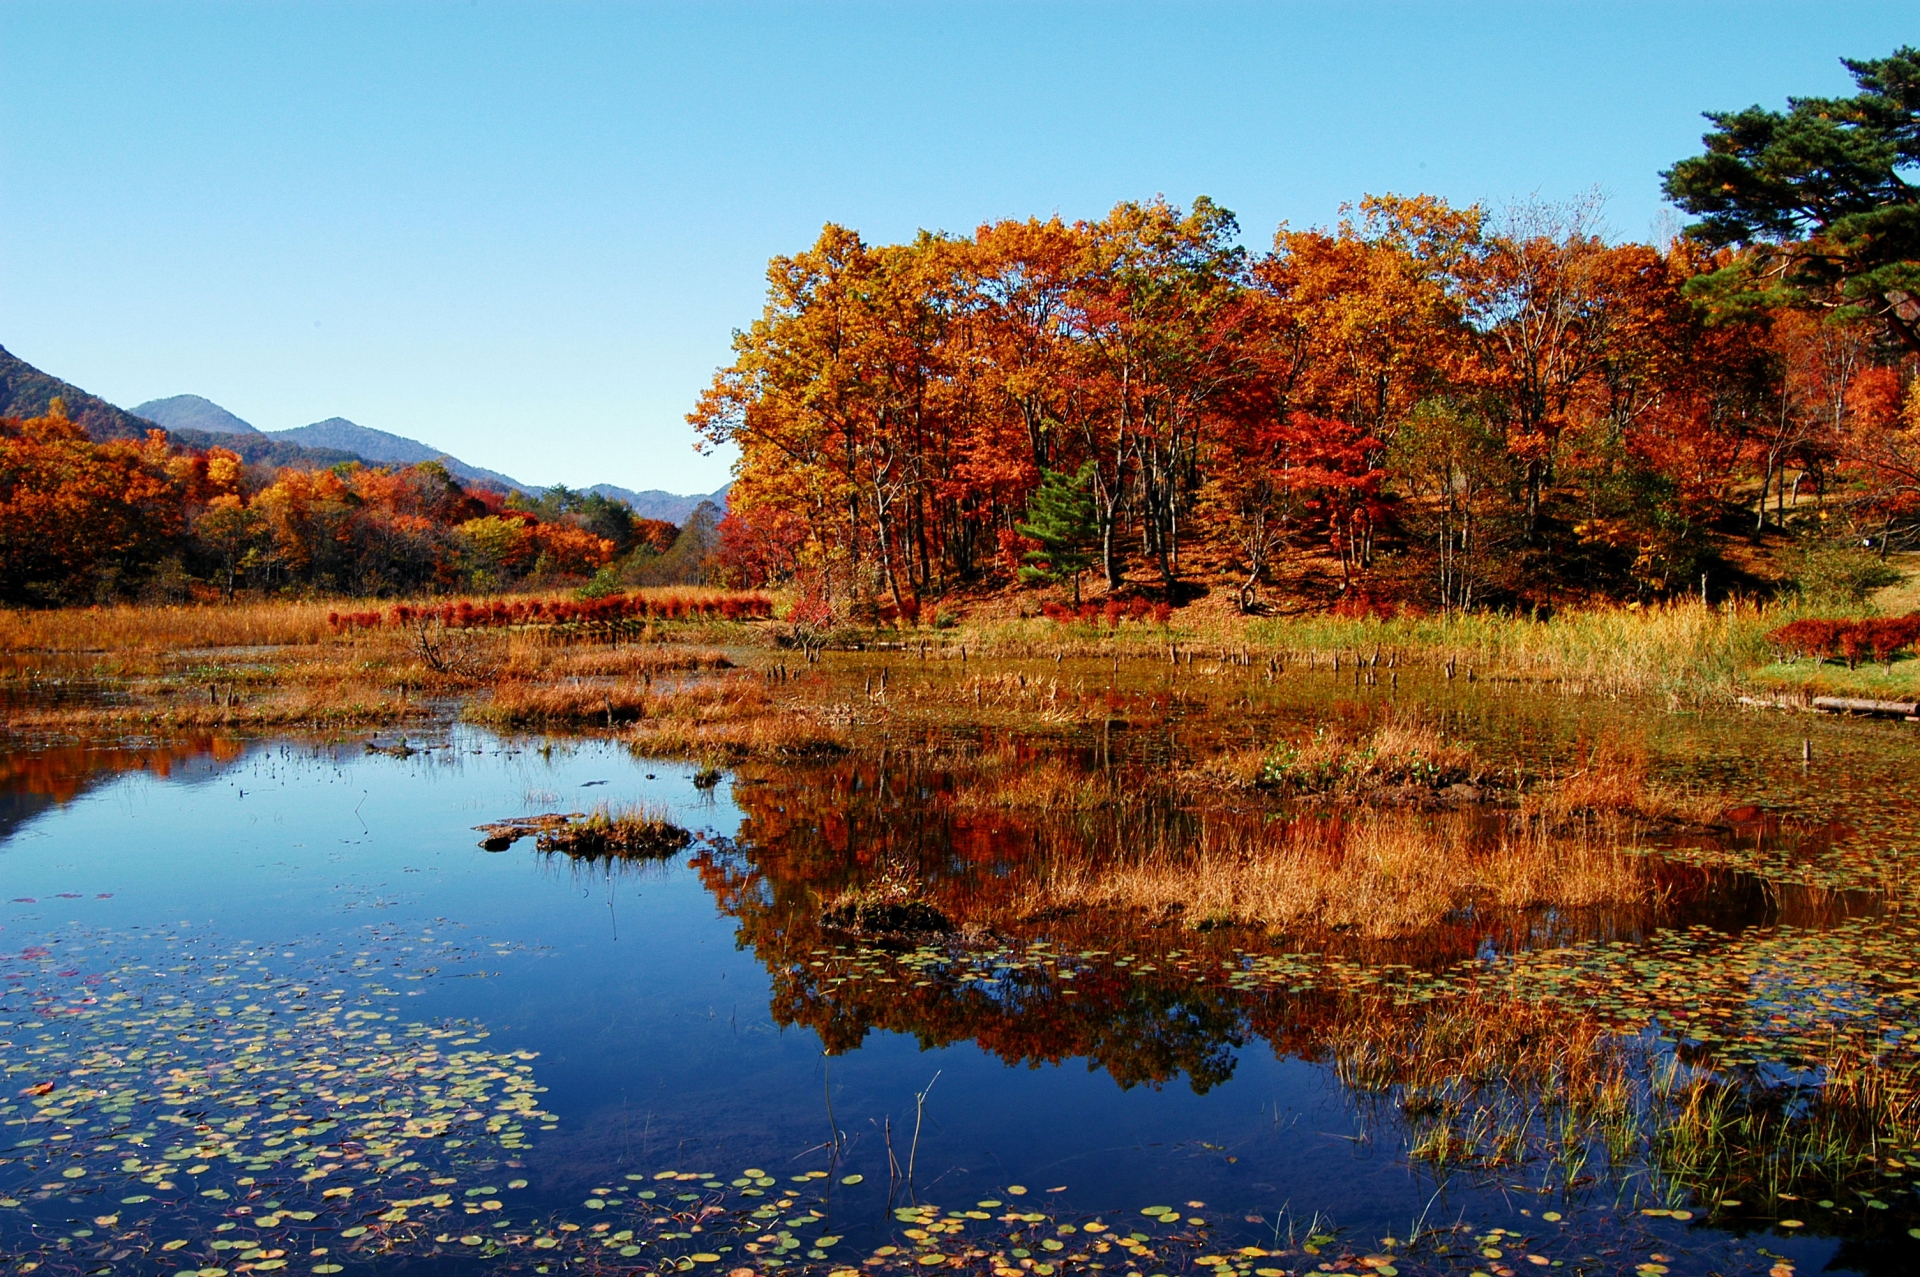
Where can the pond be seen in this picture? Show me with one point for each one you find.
(265, 1005)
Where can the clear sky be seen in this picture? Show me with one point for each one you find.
(524, 232)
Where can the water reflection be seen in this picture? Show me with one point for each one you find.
(1165, 1009)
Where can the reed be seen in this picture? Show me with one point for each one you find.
(1614, 776)
(1684, 647)
(284, 622)
(518, 705)
(1479, 1079)
(1403, 753)
(1744, 1137)
(131, 628)
(1380, 873)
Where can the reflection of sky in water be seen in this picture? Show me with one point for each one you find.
(651, 1027)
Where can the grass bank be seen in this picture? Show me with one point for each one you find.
(1685, 648)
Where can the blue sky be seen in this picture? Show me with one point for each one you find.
(524, 232)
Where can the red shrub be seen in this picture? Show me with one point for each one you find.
(1855, 640)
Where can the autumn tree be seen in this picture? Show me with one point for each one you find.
(76, 517)
(1820, 194)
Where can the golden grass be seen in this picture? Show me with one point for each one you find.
(1404, 753)
(1684, 648)
(527, 705)
(281, 664)
(127, 627)
(1379, 873)
(124, 628)
(725, 717)
(1016, 779)
(1475, 1038)
(1615, 777)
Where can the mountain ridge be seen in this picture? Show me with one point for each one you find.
(191, 412)
(198, 422)
(392, 449)
(654, 503)
(25, 391)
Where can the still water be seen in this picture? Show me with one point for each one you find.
(250, 982)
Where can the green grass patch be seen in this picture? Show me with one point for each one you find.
(1900, 682)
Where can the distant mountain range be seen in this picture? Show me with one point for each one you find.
(655, 504)
(197, 422)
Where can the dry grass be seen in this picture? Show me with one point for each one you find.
(608, 833)
(1615, 777)
(1683, 648)
(1404, 753)
(531, 705)
(1378, 873)
(891, 904)
(281, 664)
(1016, 779)
(130, 628)
(709, 718)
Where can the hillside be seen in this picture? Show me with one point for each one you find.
(197, 422)
(262, 449)
(25, 391)
(191, 412)
(379, 445)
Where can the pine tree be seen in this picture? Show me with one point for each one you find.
(1061, 517)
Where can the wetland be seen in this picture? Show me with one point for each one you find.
(1046, 953)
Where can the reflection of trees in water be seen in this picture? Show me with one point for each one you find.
(34, 779)
(812, 832)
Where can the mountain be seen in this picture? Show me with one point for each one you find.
(391, 449)
(655, 504)
(196, 422)
(191, 412)
(262, 449)
(25, 391)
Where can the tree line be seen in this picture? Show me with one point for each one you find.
(1468, 407)
(84, 521)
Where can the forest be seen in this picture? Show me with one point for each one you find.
(1423, 405)
(85, 521)
(1453, 407)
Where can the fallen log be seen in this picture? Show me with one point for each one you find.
(1857, 705)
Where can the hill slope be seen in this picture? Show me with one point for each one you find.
(25, 391)
(378, 445)
(191, 412)
(198, 422)
(262, 449)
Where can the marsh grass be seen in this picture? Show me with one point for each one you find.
(1684, 648)
(1403, 753)
(1483, 1080)
(616, 833)
(891, 903)
(143, 628)
(515, 706)
(127, 628)
(1027, 780)
(1476, 1079)
(1613, 776)
(1850, 1118)
(1379, 873)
